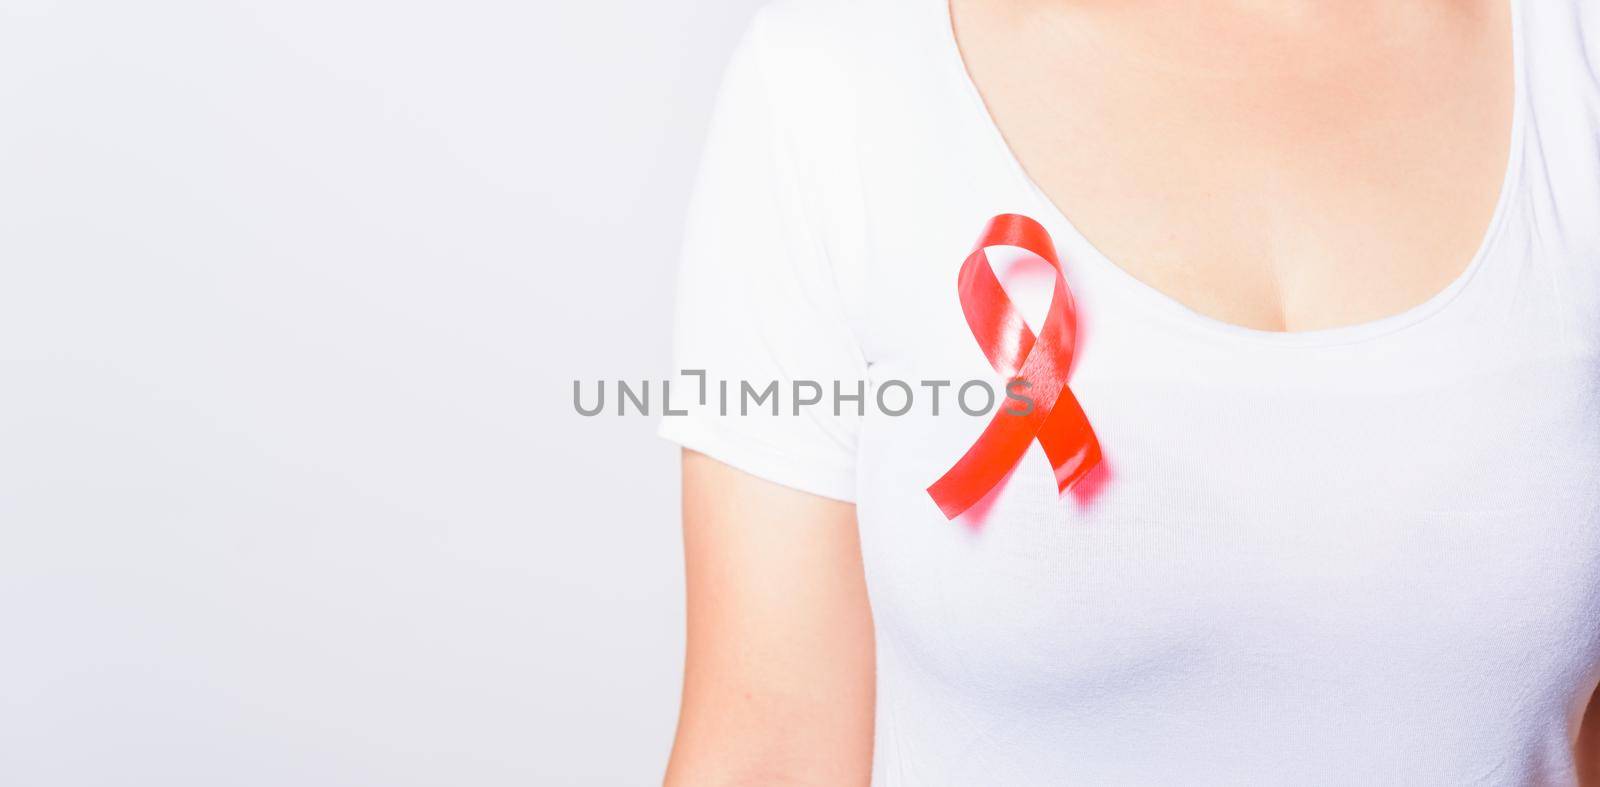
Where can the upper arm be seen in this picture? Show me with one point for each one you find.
(1587, 751)
(779, 671)
(778, 681)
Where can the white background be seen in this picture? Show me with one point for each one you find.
(292, 295)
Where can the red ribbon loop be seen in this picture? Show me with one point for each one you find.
(1056, 419)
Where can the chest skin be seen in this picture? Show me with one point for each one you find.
(1284, 166)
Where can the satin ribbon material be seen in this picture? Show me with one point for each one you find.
(1056, 419)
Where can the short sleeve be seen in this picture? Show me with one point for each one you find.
(758, 306)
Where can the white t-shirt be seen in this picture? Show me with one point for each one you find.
(1362, 555)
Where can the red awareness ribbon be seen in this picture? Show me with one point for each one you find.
(1056, 419)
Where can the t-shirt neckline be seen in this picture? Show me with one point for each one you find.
(1139, 292)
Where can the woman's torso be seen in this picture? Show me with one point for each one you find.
(1363, 554)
